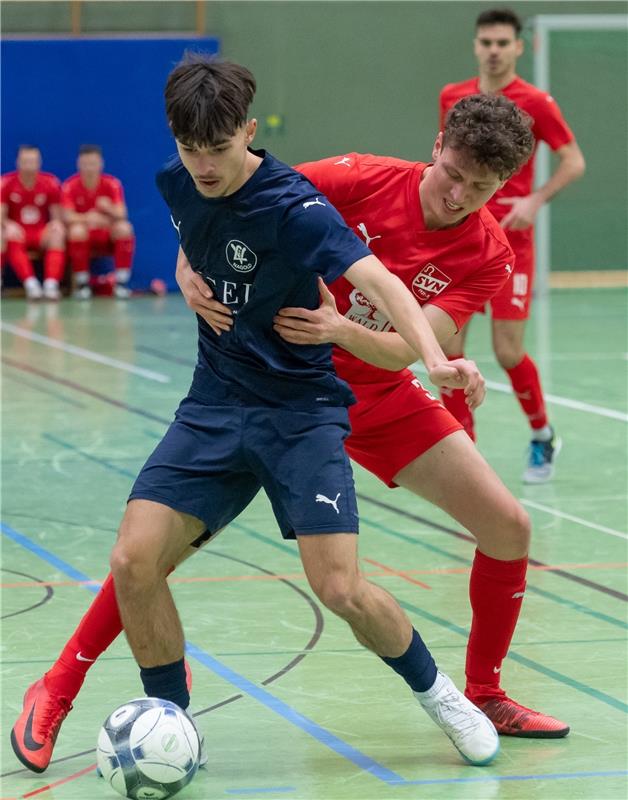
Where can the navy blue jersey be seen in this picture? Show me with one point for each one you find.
(261, 249)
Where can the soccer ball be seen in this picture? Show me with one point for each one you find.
(148, 749)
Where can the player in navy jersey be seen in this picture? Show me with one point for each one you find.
(261, 412)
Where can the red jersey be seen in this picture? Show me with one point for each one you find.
(457, 269)
(548, 126)
(75, 196)
(30, 207)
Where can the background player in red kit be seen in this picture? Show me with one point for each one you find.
(497, 48)
(455, 260)
(96, 216)
(31, 221)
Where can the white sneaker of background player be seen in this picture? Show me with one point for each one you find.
(33, 290)
(51, 289)
(470, 730)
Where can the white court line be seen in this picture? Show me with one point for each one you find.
(87, 354)
(551, 398)
(571, 518)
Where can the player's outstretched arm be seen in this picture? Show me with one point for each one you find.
(390, 295)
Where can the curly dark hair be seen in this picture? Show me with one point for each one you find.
(207, 99)
(499, 16)
(492, 130)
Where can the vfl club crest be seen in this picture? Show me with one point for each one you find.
(429, 282)
(240, 257)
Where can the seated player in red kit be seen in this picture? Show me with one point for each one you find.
(97, 222)
(31, 224)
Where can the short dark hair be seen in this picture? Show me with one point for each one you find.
(87, 149)
(27, 147)
(492, 130)
(207, 99)
(499, 16)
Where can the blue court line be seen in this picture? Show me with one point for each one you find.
(260, 791)
(100, 461)
(550, 776)
(264, 697)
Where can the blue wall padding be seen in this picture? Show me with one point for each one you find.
(60, 93)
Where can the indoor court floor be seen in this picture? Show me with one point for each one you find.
(290, 705)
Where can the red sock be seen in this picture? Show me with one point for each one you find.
(455, 402)
(54, 264)
(526, 385)
(496, 590)
(123, 250)
(19, 260)
(78, 253)
(98, 628)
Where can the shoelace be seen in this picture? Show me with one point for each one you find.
(460, 721)
(54, 714)
(540, 453)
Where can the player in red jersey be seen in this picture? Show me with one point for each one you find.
(31, 222)
(497, 47)
(454, 256)
(96, 217)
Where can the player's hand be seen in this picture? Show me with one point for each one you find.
(12, 231)
(104, 204)
(200, 297)
(305, 326)
(95, 219)
(523, 211)
(460, 374)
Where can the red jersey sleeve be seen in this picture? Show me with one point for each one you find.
(549, 123)
(67, 195)
(53, 190)
(480, 285)
(335, 177)
(114, 189)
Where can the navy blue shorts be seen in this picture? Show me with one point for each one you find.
(214, 459)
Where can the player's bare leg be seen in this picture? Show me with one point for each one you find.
(53, 244)
(331, 566)
(509, 347)
(474, 496)
(150, 539)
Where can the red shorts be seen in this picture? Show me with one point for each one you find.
(394, 423)
(100, 242)
(514, 298)
(33, 237)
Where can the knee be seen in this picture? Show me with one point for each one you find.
(56, 235)
(519, 529)
(508, 354)
(77, 232)
(122, 229)
(133, 566)
(338, 594)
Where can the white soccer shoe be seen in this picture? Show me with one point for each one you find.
(33, 289)
(51, 289)
(470, 730)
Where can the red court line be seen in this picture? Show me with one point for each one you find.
(391, 571)
(50, 786)
(383, 571)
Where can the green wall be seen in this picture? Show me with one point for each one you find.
(366, 75)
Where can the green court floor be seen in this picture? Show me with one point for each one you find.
(290, 705)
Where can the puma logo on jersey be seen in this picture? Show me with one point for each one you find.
(509, 269)
(365, 233)
(320, 498)
(175, 226)
(345, 161)
(316, 202)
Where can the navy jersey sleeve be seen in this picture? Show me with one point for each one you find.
(313, 237)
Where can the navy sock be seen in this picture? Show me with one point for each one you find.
(167, 682)
(416, 666)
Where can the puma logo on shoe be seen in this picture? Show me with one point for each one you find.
(320, 498)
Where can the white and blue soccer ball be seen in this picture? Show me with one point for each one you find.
(148, 749)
